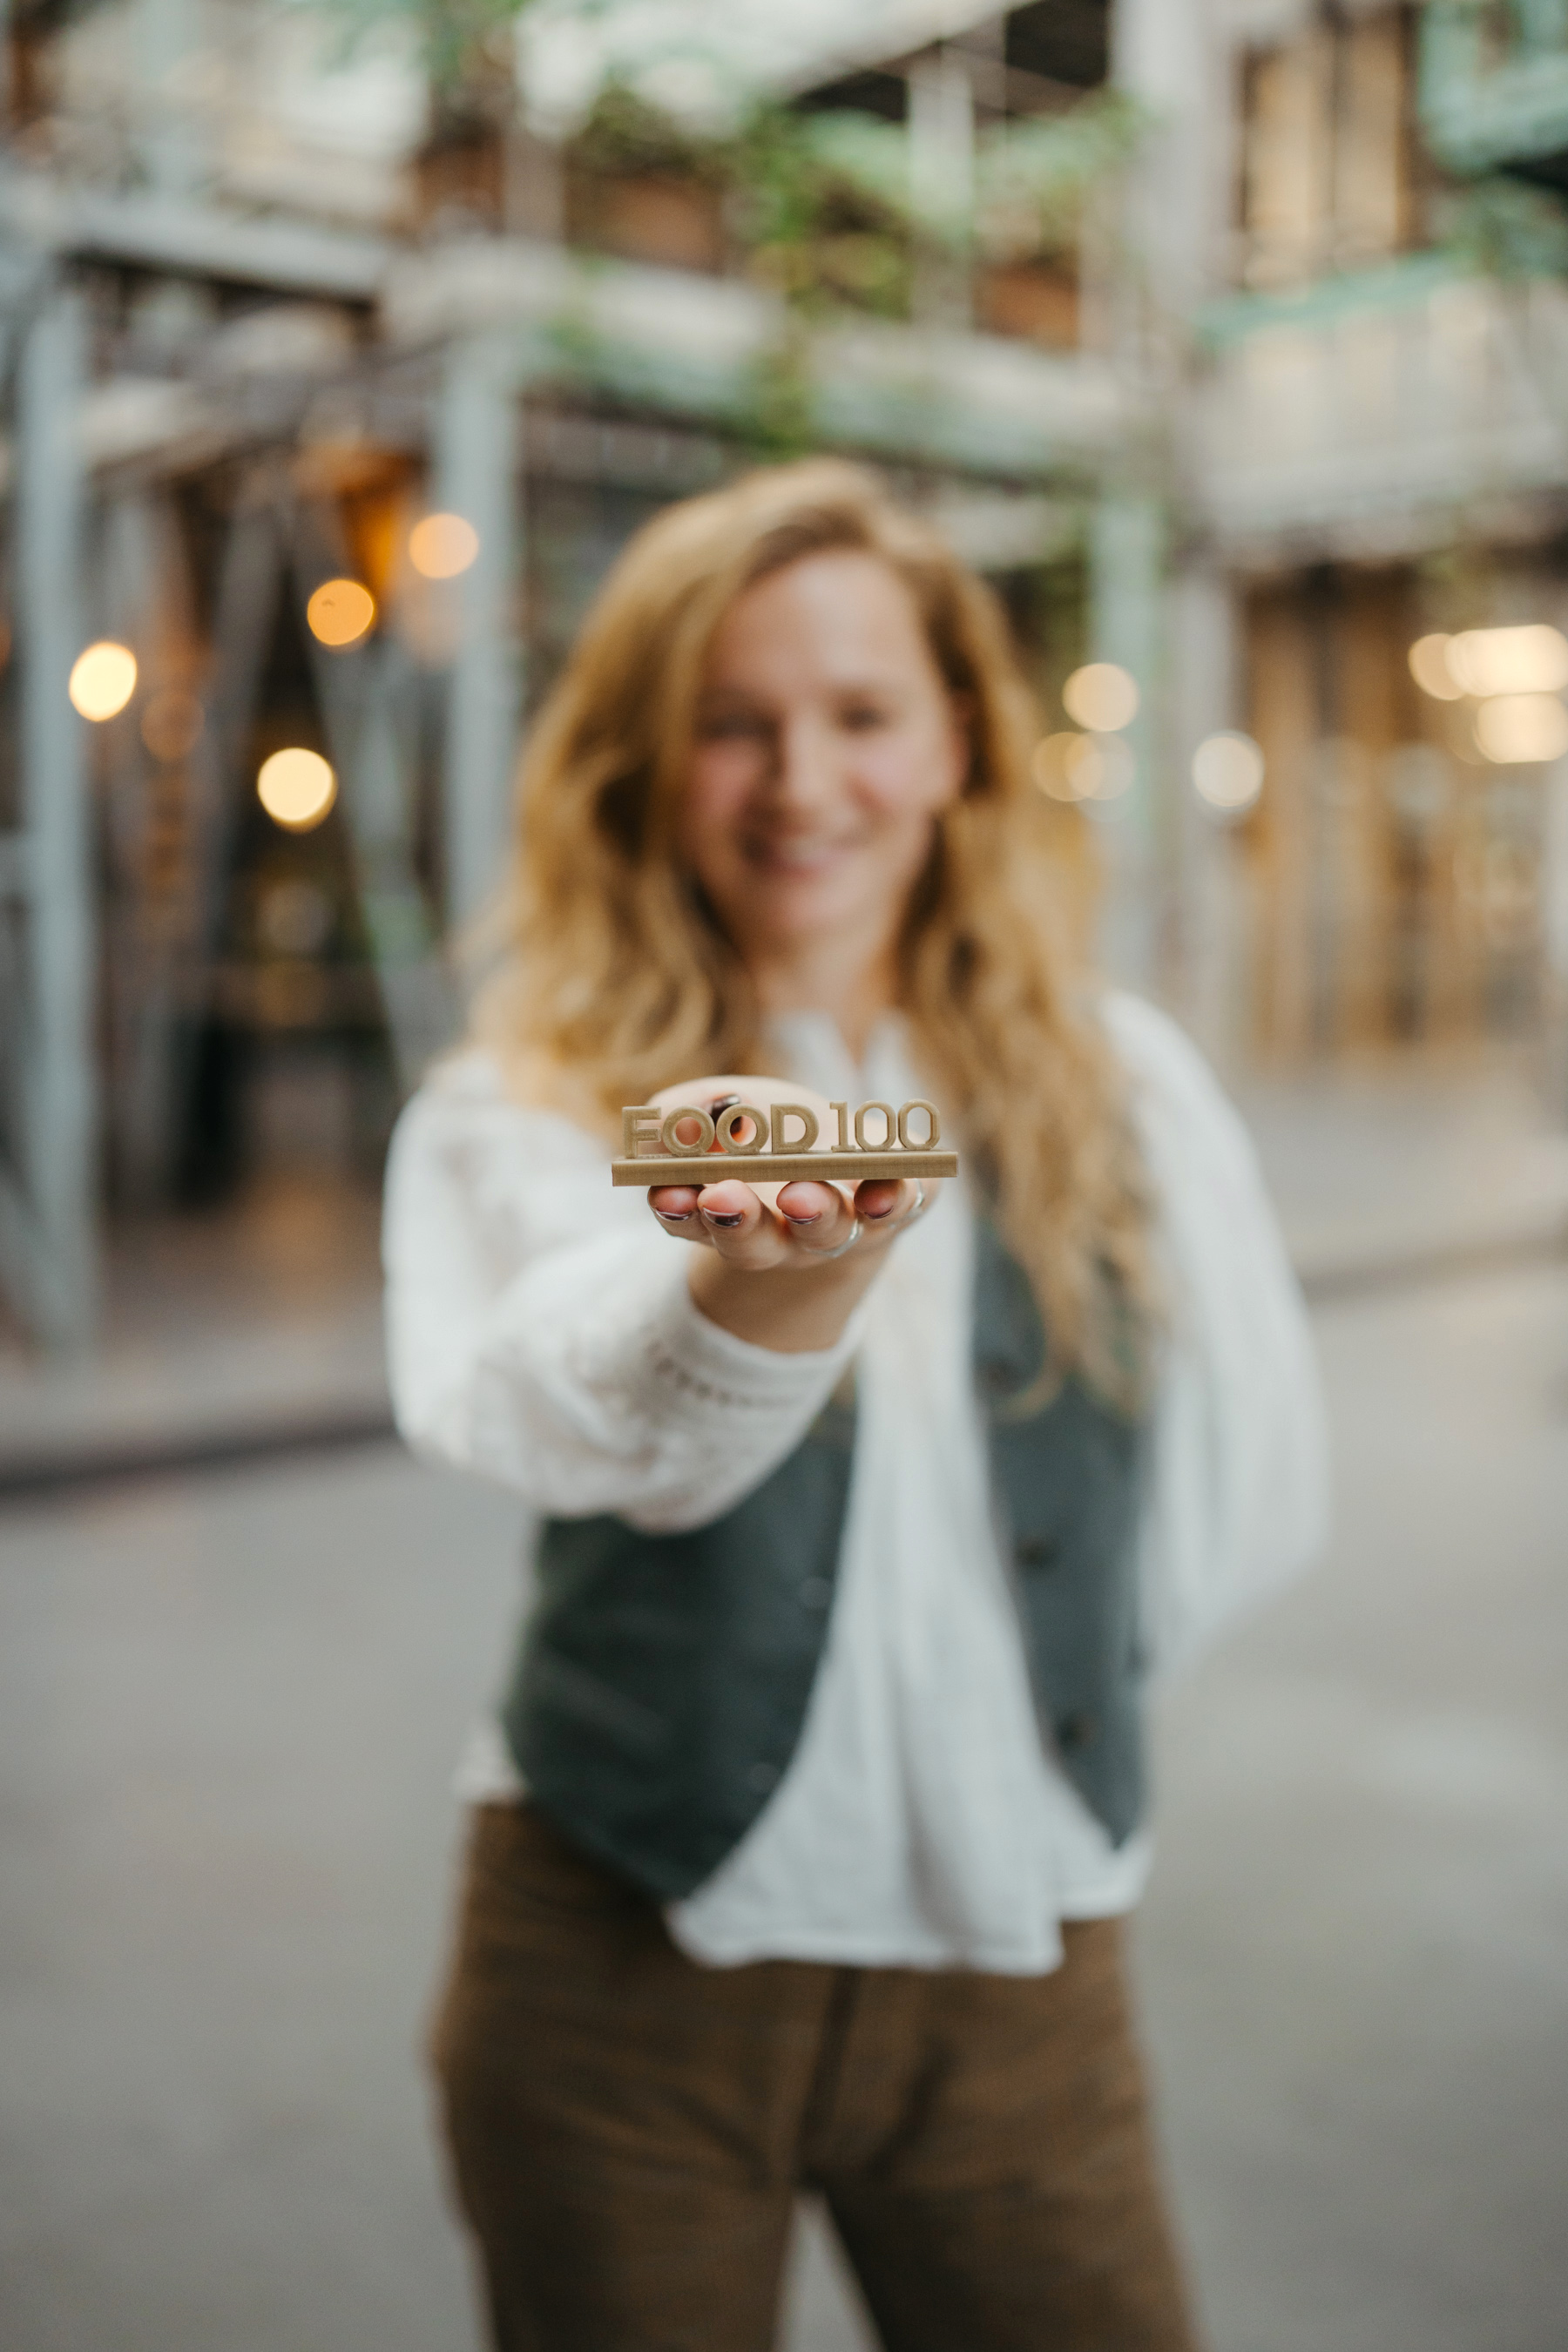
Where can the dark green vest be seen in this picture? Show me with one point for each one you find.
(662, 1681)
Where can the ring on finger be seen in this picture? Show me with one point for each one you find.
(848, 1242)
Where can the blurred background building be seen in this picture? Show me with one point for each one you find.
(343, 346)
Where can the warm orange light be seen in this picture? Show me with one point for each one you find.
(1102, 696)
(1515, 729)
(103, 679)
(1529, 660)
(442, 545)
(296, 788)
(340, 611)
(1429, 667)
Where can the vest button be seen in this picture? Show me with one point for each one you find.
(761, 1778)
(1035, 1551)
(816, 1592)
(1075, 1731)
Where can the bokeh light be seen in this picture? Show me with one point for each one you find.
(1429, 667)
(296, 788)
(442, 545)
(103, 679)
(340, 611)
(1529, 660)
(1101, 697)
(1102, 767)
(1070, 766)
(1459, 732)
(1514, 728)
(1051, 766)
(1229, 770)
(172, 723)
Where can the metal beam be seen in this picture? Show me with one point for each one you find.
(1210, 975)
(478, 426)
(1127, 550)
(669, 340)
(59, 1077)
(181, 234)
(165, 37)
(941, 184)
(16, 866)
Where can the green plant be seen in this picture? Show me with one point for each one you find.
(626, 135)
(1033, 180)
(819, 205)
(777, 417)
(1503, 228)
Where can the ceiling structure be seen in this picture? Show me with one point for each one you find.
(701, 61)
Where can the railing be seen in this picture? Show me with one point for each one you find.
(1372, 408)
(1486, 104)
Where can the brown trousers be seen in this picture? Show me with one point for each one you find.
(629, 2130)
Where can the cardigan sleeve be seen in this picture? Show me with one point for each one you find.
(1239, 1496)
(540, 1329)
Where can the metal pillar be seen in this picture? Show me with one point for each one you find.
(941, 184)
(1166, 53)
(1127, 547)
(414, 978)
(1555, 908)
(49, 1228)
(167, 34)
(1211, 944)
(249, 584)
(477, 429)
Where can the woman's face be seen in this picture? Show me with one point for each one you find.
(825, 744)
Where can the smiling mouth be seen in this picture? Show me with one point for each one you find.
(809, 856)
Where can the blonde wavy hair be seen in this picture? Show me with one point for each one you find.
(616, 980)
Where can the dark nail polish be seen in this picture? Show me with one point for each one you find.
(789, 1218)
(674, 1216)
(873, 1214)
(715, 1218)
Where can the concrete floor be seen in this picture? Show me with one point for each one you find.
(227, 1712)
(1356, 1947)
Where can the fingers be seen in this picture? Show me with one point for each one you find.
(806, 1219)
(746, 1233)
(878, 1204)
(728, 1206)
(818, 1217)
(809, 1219)
(675, 1205)
(732, 1218)
(727, 1216)
(887, 1206)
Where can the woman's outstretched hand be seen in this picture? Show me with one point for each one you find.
(782, 1265)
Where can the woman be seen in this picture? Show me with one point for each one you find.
(816, 1797)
